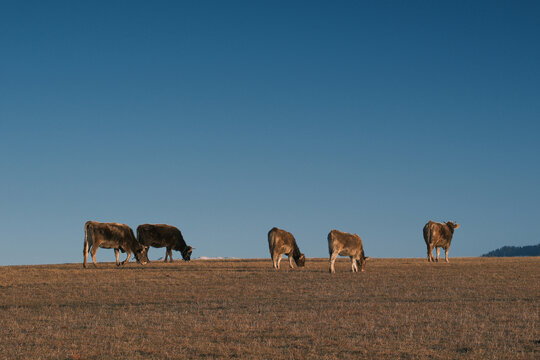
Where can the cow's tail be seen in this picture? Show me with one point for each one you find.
(87, 240)
(425, 231)
(272, 239)
(430, 233)
(330, 245)
(86, 229)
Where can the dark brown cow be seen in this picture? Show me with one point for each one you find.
(282, 242)
(345, 244)
(162, 235)
(115, 236)
(438, 235)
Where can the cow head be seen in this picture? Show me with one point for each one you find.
(141, 255)
(452, 225)
(301, 261)
(186, 253)
(145, 250)
(362, 262)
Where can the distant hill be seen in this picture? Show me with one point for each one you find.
(531, 250)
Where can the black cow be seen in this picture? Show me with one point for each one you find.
(162, 235)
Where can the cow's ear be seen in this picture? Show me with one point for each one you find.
(456, 226)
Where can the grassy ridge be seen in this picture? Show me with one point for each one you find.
(482, 308)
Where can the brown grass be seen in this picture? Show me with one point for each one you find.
(398, 309)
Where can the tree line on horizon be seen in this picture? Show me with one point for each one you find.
(508, 251)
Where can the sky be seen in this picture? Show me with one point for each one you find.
(227, 118)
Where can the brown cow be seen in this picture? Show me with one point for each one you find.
(162, 235)
(115, 236)
(345, 244)
(438, 235)
(282, 242)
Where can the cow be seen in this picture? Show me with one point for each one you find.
(115, 236)
(162, 235)
(438, 235)
(282, 242)
(345, 244)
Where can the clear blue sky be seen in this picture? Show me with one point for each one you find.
(227, 118)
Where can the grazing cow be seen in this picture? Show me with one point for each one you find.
(115, 236)
(282, 242)
(345, 244)
(438, 235)
(161, 235)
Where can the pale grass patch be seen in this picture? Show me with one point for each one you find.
(398, 309)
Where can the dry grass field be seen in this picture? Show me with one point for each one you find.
(471, 308)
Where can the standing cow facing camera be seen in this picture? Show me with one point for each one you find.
(438, 235)
(345, 244)
(162, 235)
(282, 242)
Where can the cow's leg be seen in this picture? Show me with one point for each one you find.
(128, 256)
(332, 261)
(290, 260)
(430, 252)
(166, 255)
(438, 253)
(354, 268)
(169, 250)
(117, 255)
(446, 254)
(93, 251)
(274, 263)
(279, 259)
(85, 254)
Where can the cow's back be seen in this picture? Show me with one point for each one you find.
(111, 235)
(342, 241)
(279, 239)
(438, 234)
(156, 235)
